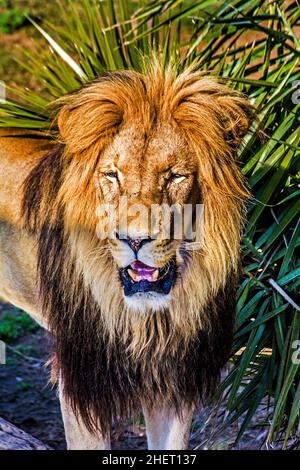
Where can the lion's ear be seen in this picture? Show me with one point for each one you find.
(236, 115)
(72, 126)
(63, 119)
(212, 114)
(87, 116)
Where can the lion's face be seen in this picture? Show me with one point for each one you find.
(142, 172)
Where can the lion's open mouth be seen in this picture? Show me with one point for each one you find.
(138, 277)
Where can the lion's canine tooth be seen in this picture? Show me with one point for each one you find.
(132, 274)
(155, 274)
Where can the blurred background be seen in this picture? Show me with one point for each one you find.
(48, 49)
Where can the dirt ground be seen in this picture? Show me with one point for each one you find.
(28, 400)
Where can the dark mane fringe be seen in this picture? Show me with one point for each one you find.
(104, 384)
(40, 188)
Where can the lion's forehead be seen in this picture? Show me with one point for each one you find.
(133, 149)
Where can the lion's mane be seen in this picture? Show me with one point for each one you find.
(112, 360)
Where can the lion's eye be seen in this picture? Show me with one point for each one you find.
(111, 175)
(178, 178)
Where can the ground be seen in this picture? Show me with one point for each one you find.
(31, 403)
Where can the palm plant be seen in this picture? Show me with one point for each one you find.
(253, 45)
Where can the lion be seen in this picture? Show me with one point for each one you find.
(138, 322)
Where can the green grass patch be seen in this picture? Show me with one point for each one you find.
(13, 324)
(24, 386)
(12, 19)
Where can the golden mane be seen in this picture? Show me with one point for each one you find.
(78, 283)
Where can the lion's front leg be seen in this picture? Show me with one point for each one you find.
(166, 430)
(77, 435)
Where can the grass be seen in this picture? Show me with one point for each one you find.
(14, 323)
(11, 20)
(24, 386)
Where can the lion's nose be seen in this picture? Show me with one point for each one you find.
(134, 243)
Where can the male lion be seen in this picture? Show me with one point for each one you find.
(137, 322)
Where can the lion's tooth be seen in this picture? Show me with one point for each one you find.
(155, 275)
(132, 274)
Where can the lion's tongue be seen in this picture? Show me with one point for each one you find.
(139, 271)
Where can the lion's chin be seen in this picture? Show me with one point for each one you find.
(147, 302)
